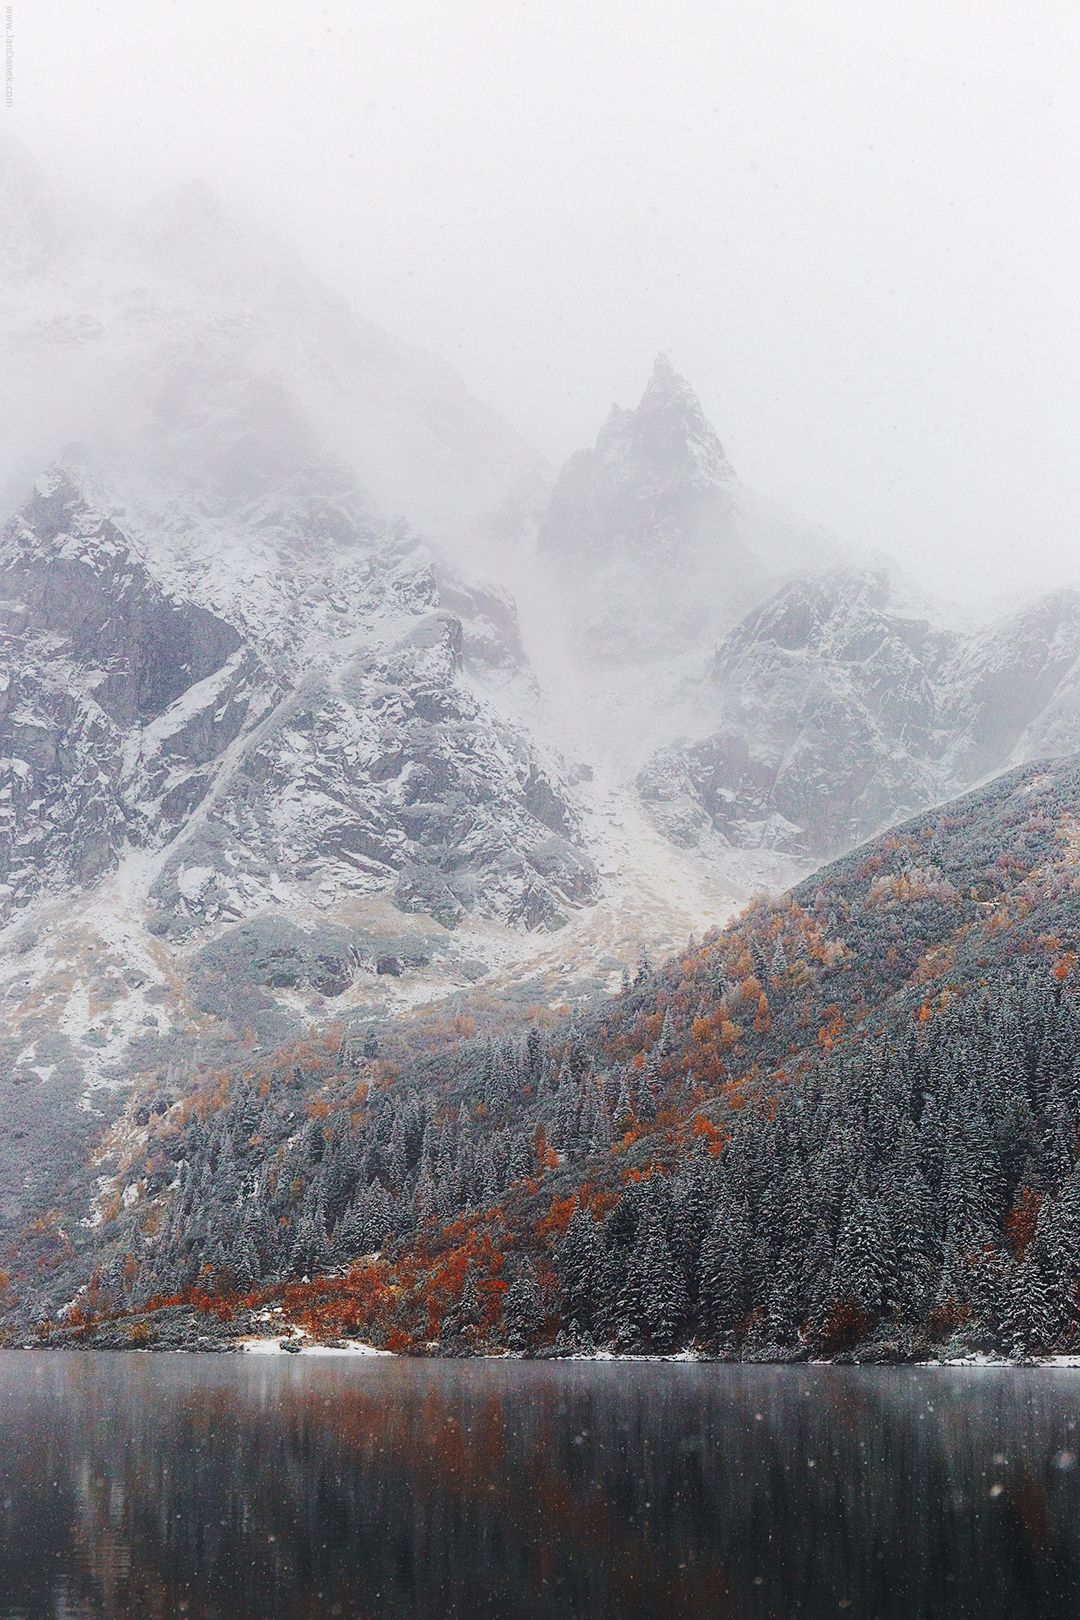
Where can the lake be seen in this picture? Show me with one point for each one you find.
(256, 1486)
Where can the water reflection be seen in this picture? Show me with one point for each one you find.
(156, 1486)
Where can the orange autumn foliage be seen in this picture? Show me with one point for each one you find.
(1022, 1219)
(713, 1136)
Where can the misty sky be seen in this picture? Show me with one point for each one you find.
(854, 227)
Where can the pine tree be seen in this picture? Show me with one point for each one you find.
(576, 1265)
(664, 1302)
(863, 1263)
(523, 1311)
(1031, 1321)
(722, 1288)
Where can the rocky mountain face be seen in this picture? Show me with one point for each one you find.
(656, 484)
(261, 744)
(638, 517)
(764, 692)
(836, 706)
(352, 756)
(118, 698)
(1010, 691)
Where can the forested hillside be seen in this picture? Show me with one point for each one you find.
(847, 1124)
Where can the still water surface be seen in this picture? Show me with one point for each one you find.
(163, 1485)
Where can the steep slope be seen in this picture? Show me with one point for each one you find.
(849, 1122)
(1009, 692)
(169, 774)
(838, 705)
(827, 701)
(117, 697)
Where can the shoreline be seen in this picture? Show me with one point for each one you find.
(294, 1345)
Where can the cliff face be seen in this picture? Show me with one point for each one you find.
(836, 707)
(237, 688)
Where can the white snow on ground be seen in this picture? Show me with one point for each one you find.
(1042, 1362)
(308, 1347)
(653, 897)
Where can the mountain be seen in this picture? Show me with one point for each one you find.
(239, 690)
(766, 696)
(656, 487)
(845, 1125)
(649, 539)
(194, 361)
(1009, 691)
(300, 816)
(260, 731)
(169, 773)
(266, 748)
(839, 704)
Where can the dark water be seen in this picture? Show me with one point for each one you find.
(136, 1485)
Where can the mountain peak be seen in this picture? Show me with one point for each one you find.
(656, 487)
(669, 422)
(669, 429)
(57, 483)
(666, 382)
(56, 506)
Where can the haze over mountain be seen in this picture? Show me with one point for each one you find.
(322, 699)
(248, 710)
(194, 361)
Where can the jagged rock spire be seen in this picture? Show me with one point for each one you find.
(674, 427)
(649, 482)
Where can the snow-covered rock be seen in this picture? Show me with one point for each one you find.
(651, 540)
(837, 707)
(362, 759)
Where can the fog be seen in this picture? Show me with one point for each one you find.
(854, 228)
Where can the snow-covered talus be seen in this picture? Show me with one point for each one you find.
(653, 895)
